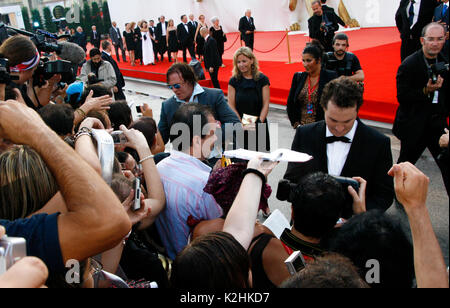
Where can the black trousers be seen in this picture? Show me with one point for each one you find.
(411, 152)
(215, 78)
(120, 46)
(189, 47)
(249, 41)
(162, 48)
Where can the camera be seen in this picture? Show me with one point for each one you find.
(286, 190)
(12, 249)
(137, 195)
(119, 137)
(327, 28)
(5, 77)
(46, 69)
(436, 70)
(295, 263)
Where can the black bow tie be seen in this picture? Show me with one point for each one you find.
(334, 139)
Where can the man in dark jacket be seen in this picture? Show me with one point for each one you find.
(322, 25)
(422, 92)
(213, 61)
(411, 17)
(247, 29)
(95, 37)
(80, 38)
(118, 88)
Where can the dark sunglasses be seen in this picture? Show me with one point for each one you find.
(176, 86)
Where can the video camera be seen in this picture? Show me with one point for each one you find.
(436, 70)
(5, 77)
(327, 28)
(45, 42)
(287, 191)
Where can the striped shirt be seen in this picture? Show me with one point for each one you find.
(184, 178)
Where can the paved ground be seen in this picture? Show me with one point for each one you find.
(438, 201)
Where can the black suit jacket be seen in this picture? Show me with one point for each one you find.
(416, 113)
(115, 36)
(245, 26)
(315, 22)
(120, 80)
(426, 13)
(211, 54)
(158, 32)
(331, 10)
(370, 157)
(439, 17)
(96, 41)
(185, 38)
(298, 82)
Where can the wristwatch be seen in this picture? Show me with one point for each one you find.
(84, 131)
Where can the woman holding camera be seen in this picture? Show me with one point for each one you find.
(24, 59)
(303, 105)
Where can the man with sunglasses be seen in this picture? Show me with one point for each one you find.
(182, 81)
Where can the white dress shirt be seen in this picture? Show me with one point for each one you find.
(416, 11)
(337, 152)
(163, 27)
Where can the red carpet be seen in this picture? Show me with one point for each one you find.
(378, 50)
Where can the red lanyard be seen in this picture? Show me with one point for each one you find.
(311, 90)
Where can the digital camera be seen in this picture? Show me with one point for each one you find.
(12, 249)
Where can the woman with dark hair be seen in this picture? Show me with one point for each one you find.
(303, 105)
(130, 44)
(120, 114)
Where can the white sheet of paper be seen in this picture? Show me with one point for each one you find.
(277, 223)
(281, 155)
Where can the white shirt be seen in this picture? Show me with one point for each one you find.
(337, 152)
(163, 27)
(416, 11)
(186, 27)
(198, 89)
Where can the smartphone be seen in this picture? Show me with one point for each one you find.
(12, 249)
(137, 195)
(119, 137)
(295, 263)
(138, 109)
(348, 182)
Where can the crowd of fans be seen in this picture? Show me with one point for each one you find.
(128, 214)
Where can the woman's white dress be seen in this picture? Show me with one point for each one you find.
(148, 54)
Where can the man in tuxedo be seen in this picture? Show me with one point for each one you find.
(152, 30)
(117, 41)
(118, 88)
(441, 15)
(331, 10)
(344, 146)
(323, 25)
(247, 29)
(95, 37)
(411, 17)
(161, 38)
(421, 118)
(185, 35)
(213, 61)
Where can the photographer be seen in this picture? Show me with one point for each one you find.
(341, 61)
(322, 25)
(422, 92)
(103, 70)
(23, 58)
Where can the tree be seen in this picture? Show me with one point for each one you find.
(36, 19)
(106, 16)
(97, 18)
(26, 19)
(87, 20)
(48, 20)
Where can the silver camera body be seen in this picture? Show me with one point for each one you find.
(12, 249)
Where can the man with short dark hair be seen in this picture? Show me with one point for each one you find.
(184, 175)
(423, 100)
(103, 70)
(343, 146)
(182, 81)
(161, 38)
(322, 25)
(343, 62)
(106, 56)
(185, 35)
(152, 30)
(59, 117)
